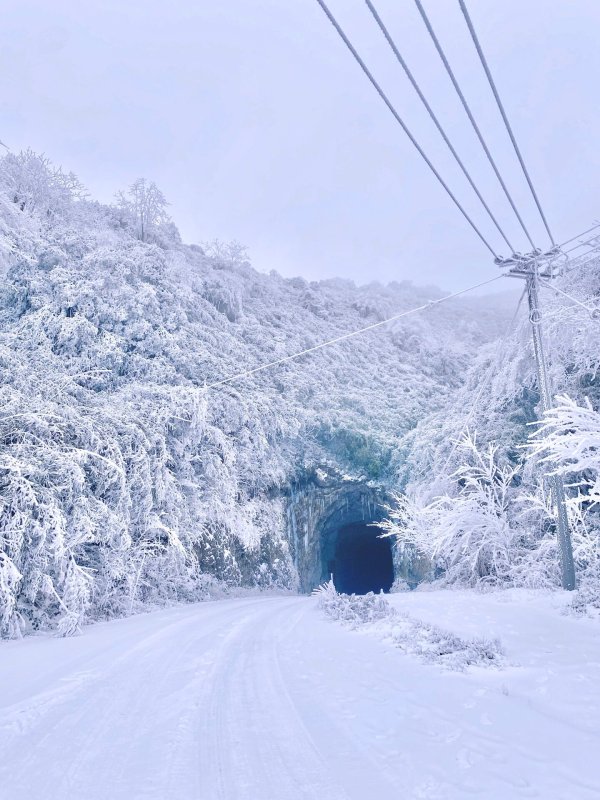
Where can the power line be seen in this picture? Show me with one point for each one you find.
(400, 121)
(350, 335)
(589, 243)
(472, 120)
(503, 112)
(433, 116)
(567, 295)
(572, 239)
(379, 324)
(575, 260)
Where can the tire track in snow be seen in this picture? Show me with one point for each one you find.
(258, 746)
(95, 730)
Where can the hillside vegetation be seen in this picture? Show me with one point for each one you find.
(478, 506)
(123, 482)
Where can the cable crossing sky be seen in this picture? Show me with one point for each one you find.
(488, 73)
(434, 118)
(402, 124)
(374, 13)
(350, 335)
(472, 120)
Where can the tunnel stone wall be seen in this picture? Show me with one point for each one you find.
(318, 508)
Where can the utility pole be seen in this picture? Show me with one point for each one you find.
(528, 267)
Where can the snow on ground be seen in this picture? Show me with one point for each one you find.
(264, 699)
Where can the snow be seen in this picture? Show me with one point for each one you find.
(266, 699)
(124, 483)
(373, 613)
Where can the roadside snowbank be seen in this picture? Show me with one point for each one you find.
(374, 614)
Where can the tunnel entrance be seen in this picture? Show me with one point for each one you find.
(362, 560)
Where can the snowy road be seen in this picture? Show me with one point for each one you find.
(261, 699)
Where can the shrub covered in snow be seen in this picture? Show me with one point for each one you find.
(586, 600)
(430, 643)
(466, 535)
(356, 609)
(437, 646)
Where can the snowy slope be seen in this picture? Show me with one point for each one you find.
(263, 699)
(122, 482)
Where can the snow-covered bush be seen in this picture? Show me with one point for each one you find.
(355, 609)
(434, 645)
(467, 535)
(431, 644)
(586, 600)
(399, 585)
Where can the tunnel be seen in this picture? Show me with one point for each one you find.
(335, 531)
(362, 560)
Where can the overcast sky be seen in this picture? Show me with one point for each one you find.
(258, 126)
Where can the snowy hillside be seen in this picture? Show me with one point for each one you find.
(124, 482)
(482, 511)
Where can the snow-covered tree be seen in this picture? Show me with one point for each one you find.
(467, 535)
(146, 205)
(34, 184)
(568, 438)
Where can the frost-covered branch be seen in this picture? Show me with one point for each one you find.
(568, 438)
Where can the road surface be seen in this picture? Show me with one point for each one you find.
(262, 699)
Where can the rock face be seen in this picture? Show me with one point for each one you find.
(319, 509)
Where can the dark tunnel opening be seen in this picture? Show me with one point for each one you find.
(362, 561)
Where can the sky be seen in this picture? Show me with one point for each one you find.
(256, 123)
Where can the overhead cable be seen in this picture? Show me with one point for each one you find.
(433, 116)
(592, 242)
(486, 68)
(345, 336)
(572, 239)
(567, 295)
(472, 120)
(367, 328)
(589, 243)
(400, 121)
